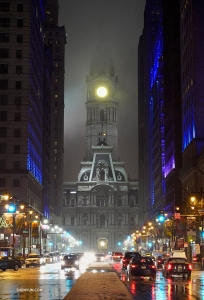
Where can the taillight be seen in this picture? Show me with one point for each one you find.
(134, 266)
(190, 267)
(124, 259)
(159, 261)
(169, 267)
(153, 267)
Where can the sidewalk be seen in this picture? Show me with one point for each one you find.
(93, 285)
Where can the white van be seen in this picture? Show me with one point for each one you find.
(178, 253)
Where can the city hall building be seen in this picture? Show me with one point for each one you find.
(100, 209)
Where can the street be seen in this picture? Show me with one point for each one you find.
(164, 289)
(50, 282)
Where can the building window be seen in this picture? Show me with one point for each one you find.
(4, 6)
(56, 96)
(3, 115)
(72, 221)
(19, 22)
(16, 182)
(18, 69)
(16, 149)
(17, 132)
(18, 53)
(16, 165)
(4, 53)
(2, 147)
(132, 221)
(4, 37)
(3, 68)
(2, 164)
(19, 38)
(17, 116)
(2, 182)
(3, 132)
(4, 22)
(4, 84)
(19, 7)
(18, 85)
(17, 100)
(3, 99)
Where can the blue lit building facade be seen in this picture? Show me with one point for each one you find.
(192, 93)
(146, 100)
(26, 67)
(159, 171)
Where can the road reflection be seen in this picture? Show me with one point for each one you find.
(163, 288)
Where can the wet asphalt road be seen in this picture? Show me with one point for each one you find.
(50, 282)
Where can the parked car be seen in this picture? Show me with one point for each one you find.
(176, 266)
(34, 259)
(117, 255)
(70, 260)
(7, 262)
(99, 257)
(159, 261)
(142, 266)
(127, 257)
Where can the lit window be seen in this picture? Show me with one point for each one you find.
(56, 96)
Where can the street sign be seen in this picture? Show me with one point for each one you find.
(197, 248)
(177, 215)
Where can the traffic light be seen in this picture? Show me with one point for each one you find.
(161, 216)
(11, 208)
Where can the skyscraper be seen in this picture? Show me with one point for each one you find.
(31, 95)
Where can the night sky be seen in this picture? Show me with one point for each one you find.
(120, 23)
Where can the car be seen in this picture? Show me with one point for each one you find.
(176, 266)
(117, 255)
(142, 266)
(48, 258)
(70, 260)
(99, 257)
(127, 257)
(159, 261)
(34, 259)
(7, 262)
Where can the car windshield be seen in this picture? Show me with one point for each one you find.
(132, 254)
(33, 256)
(177, 260)
(70, 257)
(142, 260)
(99, 255)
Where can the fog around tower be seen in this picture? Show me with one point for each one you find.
(119, 23)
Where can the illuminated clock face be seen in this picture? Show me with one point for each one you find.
(101, 91)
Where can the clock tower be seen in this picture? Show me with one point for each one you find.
(102, 103)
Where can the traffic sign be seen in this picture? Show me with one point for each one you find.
(177, 215)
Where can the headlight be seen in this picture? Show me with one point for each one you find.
(76, 262)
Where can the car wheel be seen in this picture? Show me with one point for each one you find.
(62, 268)
(4, 270)
(153, 278)
(27, 266)
(15, 268)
